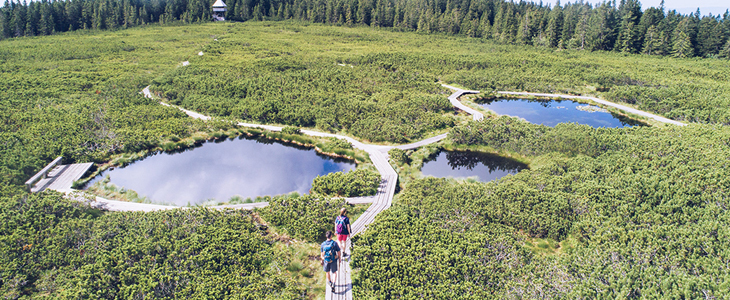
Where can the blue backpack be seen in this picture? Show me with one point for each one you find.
(340, 224)
(329, 251)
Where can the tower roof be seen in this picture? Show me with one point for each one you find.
(219, 3)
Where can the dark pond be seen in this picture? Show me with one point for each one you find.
(219, 171)
(463, 164)
(552, 112)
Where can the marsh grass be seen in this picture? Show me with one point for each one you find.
(103, 188)
(548, 247)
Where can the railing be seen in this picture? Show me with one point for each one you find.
(42, 173)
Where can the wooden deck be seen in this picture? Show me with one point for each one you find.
(61, 177)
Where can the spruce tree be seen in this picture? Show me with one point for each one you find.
(682, 46)
(485, 28)
(555, 24)
(5, 16)
(725, 51)
(652, 41)
(348, 16)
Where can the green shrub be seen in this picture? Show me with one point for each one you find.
(291, 130)
(360, 182)
(99, 255)
(303, 217)
(400, 157)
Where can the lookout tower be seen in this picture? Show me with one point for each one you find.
(219, 10)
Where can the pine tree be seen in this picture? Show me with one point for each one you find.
(524, 34)
(627, 39)
(725, 51)
(601, 33)
(554, 27)
(257, 15)
(652, 41)
(348, 16)
(378, 14)
(682, 46)
(363, 12)
(423, 23)
(144, 16)
(630, 14)
(485, 28)
(5, 16)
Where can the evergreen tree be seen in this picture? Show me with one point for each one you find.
(709, 36)
(259, 16)
(363, 12)
(725, 51)
(653, 40)
(682, 46)
(578, 41)
(681, 39)
(628, 37)
(601, 35)
(554, 26)
(485, 28)
(349, 20)
(524, 31)
(5, 16)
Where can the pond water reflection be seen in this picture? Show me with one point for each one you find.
(552, 112)
(463, 164)
(244, 167)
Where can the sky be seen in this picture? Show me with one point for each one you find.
(716, 7)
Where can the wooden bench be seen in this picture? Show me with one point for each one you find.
(42, 173)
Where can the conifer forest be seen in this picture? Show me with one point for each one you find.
(639, 212)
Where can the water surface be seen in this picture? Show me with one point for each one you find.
(218, 171)
(552, 112)
(464, 164)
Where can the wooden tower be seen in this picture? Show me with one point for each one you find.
(219, 10)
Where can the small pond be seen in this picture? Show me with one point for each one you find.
(218, 171)
(467, 164)
(552, 112)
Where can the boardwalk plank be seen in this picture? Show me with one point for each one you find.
(62, 177)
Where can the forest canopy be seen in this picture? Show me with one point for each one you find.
(625, 28)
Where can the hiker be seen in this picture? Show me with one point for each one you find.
(330, 258)
(343, 230)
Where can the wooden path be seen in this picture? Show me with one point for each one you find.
(454, 99)
(61, 177)
(379, 156)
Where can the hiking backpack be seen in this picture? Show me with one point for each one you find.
(329, 251)
(340, 224)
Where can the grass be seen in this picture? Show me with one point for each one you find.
(103, 188)
(549, 247)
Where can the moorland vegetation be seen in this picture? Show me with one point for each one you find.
(601, 213)
(627, 213)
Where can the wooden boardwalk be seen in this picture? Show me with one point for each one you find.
(378, 154)
(61, 177)
(454, 99)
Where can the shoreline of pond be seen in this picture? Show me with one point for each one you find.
(199, 139)
(478, 99)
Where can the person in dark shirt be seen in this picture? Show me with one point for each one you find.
(343, 230)
(330, 253)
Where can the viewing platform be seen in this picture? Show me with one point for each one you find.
(57, 177)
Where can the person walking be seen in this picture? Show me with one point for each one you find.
(330, 253)
(343, 230)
